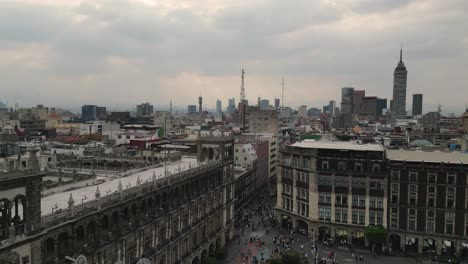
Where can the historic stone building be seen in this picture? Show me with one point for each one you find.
(428, 202)
(332, 190)
(178, 218)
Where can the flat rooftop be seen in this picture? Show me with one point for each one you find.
(61, 199)
(455, 157)
(337, 145)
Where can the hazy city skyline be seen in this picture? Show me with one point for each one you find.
(122, 53)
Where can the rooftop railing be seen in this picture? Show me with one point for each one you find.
(63, 215)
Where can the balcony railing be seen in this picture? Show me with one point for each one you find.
(63, 215)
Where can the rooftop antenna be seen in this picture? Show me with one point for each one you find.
(242, 92)
(401, 52)
(282, 93)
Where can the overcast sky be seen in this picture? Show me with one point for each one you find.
(122, 52)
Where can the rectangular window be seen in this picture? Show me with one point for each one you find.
(431, 196)
(362, 218)
(432, 177)
(341, 182)
(412, 219)
(362, 201)
(375, 168)
(449, 221)
(450, 202)
(395, 197)
(394, 217)
(303, 177)
(354, 217)
(430, 221)
(413, 176)
(358, 167)
(324, 180)
(379, 218)
(337, 215)
(341, 199)
(372, 218)
(395, 174)
(413, 193)
(451, 178)
(303, 209)
(372, 202)
(287, 189)
(324, 213)
(355, 200)
(325, 165)
(341, 166)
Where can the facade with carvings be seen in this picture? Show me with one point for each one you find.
(180, 218)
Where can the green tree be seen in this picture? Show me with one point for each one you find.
(291, 257)
(375, 235)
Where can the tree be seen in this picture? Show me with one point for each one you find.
(291, 257)
(375, 235)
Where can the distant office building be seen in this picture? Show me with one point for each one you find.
(417, 104)
(89, 112)
(144, 110)
(398, 106)
(314, 112)
(332, 108)
(302, 111)
(231, 106)
(381, 105)
(93, 112)
(218, 107)
(191, 109)
(358, 96)
(264, 104)
(2, 105)
(347, 100)
(263, 121)
(277, 103)
(101, 112)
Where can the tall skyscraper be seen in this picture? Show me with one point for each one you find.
(347, 100)
(398, 105)
(191, 109)
(264, 104)
(332, 107)
(358, 97)
(417, 104)
(218, 107)
(231, 106)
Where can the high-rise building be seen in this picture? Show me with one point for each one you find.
(144, 110)
(381, 105)
(93, 112)
(218, 107)
(417, 104)
(302, 111)
(332, 107)
(231, 106)
(358, 96)
(347, 100)
(2, 105)
(398, 105)
(191, 109)
(277, 103)
(89, 112)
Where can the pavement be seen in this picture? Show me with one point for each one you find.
(241, 250)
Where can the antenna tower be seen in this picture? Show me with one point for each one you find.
(242, 92)
(282, 94)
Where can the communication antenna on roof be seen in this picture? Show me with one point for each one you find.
(282, 93)
(242, 92)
